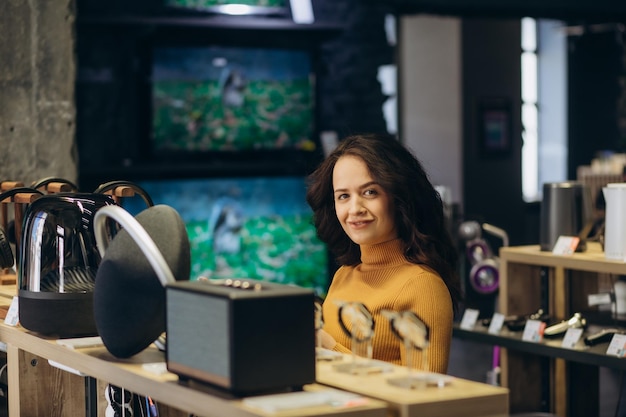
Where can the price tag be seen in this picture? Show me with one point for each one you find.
(565, 245)
(572, 336)
(617, 347)
(469, 319)
(12, 317)
(496, 323)
(533, 331)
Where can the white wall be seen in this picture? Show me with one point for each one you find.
(430, 96)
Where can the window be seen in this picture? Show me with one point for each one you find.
(544, 117)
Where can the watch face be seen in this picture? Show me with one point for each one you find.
(356, 321)
(408, 327)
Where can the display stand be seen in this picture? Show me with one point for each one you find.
(544, 375)
(456, 397)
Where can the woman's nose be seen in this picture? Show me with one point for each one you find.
(356, 206)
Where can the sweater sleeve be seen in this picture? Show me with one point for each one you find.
(428, 297)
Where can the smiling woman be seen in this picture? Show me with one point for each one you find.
(363, 207)
(381, 217)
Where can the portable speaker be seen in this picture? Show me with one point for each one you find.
(58, 264)
(245, 336)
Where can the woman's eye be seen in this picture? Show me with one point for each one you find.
(342, 196)
(370, 192)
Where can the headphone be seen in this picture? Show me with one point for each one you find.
(122, 188)
(6, 253)
(54, 185)
(484, 275)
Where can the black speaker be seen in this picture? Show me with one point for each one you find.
(58, 264)
(245, 336)
(151, 251)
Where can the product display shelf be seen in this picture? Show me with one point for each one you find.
(453, 397)
(61, 387)
(581, 353)
(544, 376)
(49, 378)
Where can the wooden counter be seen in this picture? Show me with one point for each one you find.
(67, 388)
(458, 397)
(25, 352)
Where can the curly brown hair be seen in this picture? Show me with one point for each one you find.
(419, 213)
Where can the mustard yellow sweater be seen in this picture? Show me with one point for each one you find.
(386, 280)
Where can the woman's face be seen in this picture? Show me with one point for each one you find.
(363, 207)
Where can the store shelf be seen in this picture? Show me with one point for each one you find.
(544, 376)
(211, 21)
(581, 353)
(281, 31)
(592, 259)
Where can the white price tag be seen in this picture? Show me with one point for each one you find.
(496, 323)
(533, 331)
(469, 319)
(617, 347)
(572, 336)
(565, 245)
(12, 317)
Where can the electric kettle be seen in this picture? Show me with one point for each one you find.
(58, 264)
(615, 221)
(566, 209)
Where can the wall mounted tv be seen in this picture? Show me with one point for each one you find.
(237, 100)
(246, 227)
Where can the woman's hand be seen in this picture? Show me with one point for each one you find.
(325, 340)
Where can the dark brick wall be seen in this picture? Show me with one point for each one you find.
(112, 80)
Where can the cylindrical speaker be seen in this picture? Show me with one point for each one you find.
(565, 210)
(58, 264)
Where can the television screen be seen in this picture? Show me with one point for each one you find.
(259, 228)
(231, 99)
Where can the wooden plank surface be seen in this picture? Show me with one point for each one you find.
(459, 398)
(131, 374)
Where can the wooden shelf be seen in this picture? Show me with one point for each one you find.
(29, 370)
(591, 260)
(590, 355)
(544, 376)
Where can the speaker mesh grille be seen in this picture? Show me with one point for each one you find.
(193, 318)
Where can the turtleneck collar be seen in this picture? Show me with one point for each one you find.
(382, 255)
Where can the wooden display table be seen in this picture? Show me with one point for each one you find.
(76, 381)
(458, 397)
(47, 390)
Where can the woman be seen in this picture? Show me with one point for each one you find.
(377, 211)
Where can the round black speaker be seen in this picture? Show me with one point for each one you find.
(151, 250)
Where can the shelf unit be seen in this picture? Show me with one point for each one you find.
(544, 376)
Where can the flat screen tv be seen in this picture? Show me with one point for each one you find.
(210, 99)
(245, 227)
